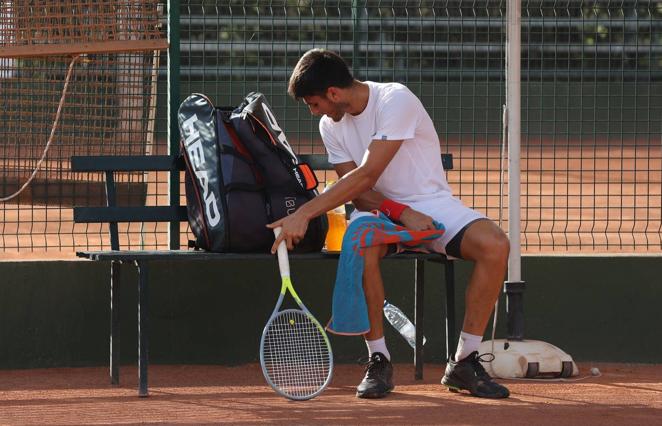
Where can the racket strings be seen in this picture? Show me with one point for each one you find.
(297, 357)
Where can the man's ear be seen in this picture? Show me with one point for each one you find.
(333, 94)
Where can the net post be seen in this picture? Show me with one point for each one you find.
(515, 309)
(513, 106)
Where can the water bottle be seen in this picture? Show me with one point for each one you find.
(400, 322)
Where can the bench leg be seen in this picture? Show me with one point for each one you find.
(114, 323)
(419, 278)
(143, 306)
(451, 339)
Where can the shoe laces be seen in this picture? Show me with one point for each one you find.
(374, 365)
(478, 367)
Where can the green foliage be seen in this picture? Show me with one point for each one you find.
(431, 38)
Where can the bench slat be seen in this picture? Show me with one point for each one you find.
(133, 255)
(316, 161)
(125, 163)
(321, 162)
(130, 214)
(139, 163)
(447, 161)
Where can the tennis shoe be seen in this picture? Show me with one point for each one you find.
(378, 380)
(468, 374)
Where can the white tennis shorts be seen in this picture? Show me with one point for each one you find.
(449, 211)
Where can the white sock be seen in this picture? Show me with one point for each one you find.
(468, 343)
(378, 345)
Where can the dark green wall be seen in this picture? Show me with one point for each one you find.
(56, 313)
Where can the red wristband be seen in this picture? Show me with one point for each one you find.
(392, 209)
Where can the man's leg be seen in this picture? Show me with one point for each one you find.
(373, 287)
(486, 244)
(377, 382)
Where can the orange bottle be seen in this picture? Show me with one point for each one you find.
(337, 226)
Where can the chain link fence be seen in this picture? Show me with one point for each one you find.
(591, 107)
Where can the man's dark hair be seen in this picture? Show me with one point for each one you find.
(316, 71)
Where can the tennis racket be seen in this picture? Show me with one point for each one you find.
(295, 352)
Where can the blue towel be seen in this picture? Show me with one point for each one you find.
(349, 310)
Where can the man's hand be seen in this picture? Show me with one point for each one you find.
(294, 229)
(416, 220)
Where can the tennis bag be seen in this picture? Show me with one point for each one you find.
(242, 174)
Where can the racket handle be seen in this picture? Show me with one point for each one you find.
(283, 261)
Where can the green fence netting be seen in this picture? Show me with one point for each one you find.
(591, 107)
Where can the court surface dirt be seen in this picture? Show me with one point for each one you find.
(623, 394)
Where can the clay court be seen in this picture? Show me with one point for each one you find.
(623, 394)
(590, 171)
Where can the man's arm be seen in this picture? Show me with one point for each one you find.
(349, 186)
(372, 200)
(369, 200)
(353, 183)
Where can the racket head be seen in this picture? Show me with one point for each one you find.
(295, 355)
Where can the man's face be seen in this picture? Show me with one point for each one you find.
(322, 105)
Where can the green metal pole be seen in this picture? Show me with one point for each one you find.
(356, 34)
(173, 102)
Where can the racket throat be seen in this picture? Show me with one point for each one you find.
(287, 286)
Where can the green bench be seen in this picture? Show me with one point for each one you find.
(112, 213)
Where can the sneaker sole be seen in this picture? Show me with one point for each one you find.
(448, 382)
(374, 395)
(456, 389)
(452, 387)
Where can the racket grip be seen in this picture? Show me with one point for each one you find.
(283, 261)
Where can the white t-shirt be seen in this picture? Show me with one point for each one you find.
(393, 113)
(415, 176)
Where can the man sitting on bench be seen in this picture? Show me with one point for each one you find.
(385, 149)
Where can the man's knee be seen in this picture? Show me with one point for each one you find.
(500, 247)
(492, 246)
